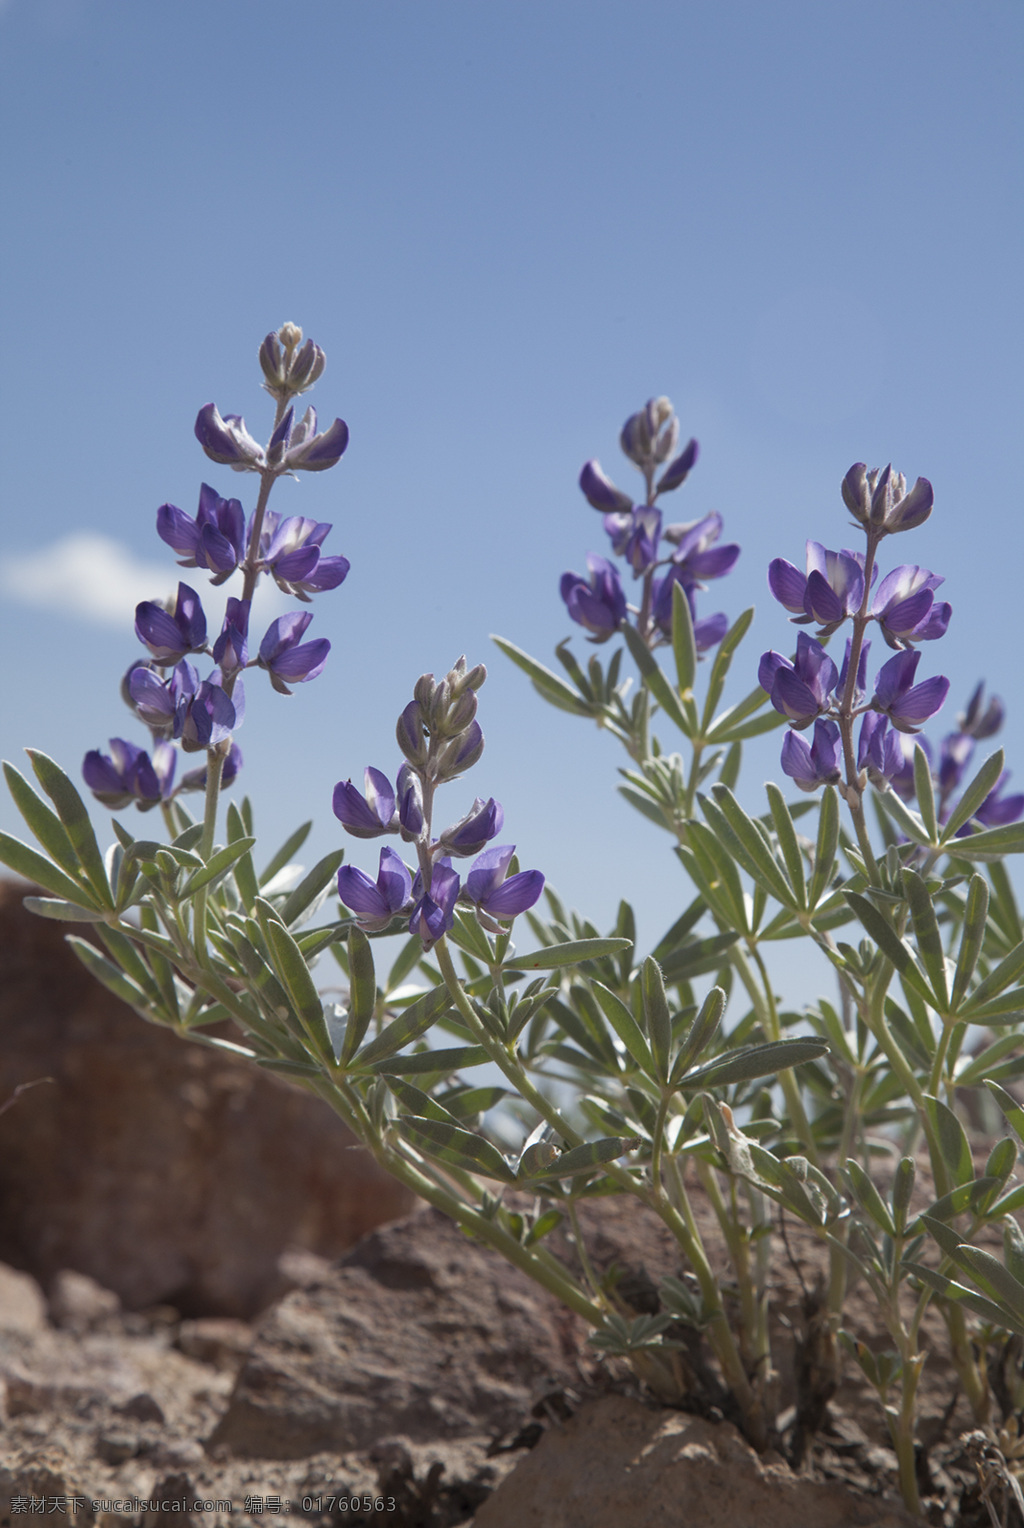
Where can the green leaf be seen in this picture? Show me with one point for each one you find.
(696, 957)
(907, 821)
(700, 1034)
(64, 912)
(548, 684)
(284, 855)
(751, 1061)
(300, 986)
(981, 786)
(949, 1289)
(362, 996)
(826, 846)
(788, 842)
(889, 942)
(992, 843)
(1006, 973)
(112, 977)
(245, 873)
(416, 1101)
(217, 866)
(951, 1139)
(972, 936)
(309, 888)
(926, 933)
(684, 645)
(868, 1197)
(575, 952)
(731, 720)
(46, 825)
(404, 1029)
(444, 1062)
(75, 819)
(34, 866)
(467, 1103)
(656, 681)
(625, 1026)
(459, 1148)
(721, 665)
(587, 1158)
(1011, 1108)
(925, 793)
(657, 1019)
(759, 860)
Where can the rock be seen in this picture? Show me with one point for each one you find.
(618, 1464)
(165, 1171)
(418, 1332)
(216, 1340)
(22, 1305)
(79, 1304)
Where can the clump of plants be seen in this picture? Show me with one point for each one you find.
(505, 1082)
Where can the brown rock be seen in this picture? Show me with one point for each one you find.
(418, 1332)
(22, 1306)
(79, 1304)
(165, 1171)
(617, 1464)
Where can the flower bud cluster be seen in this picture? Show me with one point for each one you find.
(649, 438)
(440, 738)
(166, 693)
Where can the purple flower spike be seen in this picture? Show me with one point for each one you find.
(195, 780)
(881, 499)
(815, 765)
(298, 448)
(906, 609)
(290, 549)
(800, 690)
(209, 716)
(481, 823)
(677, 472)
(376, 903)
(487, 886)
(284, 659)
(880, 751)
(169, 635)
(908, 706)
(696, 554)
(433, 915)
(635, 536)
(369, 815)
(128, 774)
(600, 606)
(409, 794)
(650, 436)
(979, 724)
(707, 632)
(831, 591)
(231, 649)
(860, 686)
(601, 492)
(227, 441)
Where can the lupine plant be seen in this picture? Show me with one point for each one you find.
(507, 1086)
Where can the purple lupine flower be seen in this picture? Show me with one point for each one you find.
(650, 436)
(881, 499)
(412, 735)
(902, 780)
(905, 607)
(434, 913)
(880, 751)
(600, 606)
(128, 774)
(461, 753)
(298, 447)
(816, 764)
(376, 902)
(231, 649)
(170, 634)
(409, 795)
(196, 779)
(695, 551)
(157, 701)
(227, 441)
(290, 371)
(678, 471)
(369, 815)
(601, 492)
(955, 754)
(908, 706)
(997, 809)
(981, 724)
(487, 886)
(635, 536)
(215, 539)
(210, 715)
(481, 823)
(290, 549)
(800, 689)
(708, 631)
(831, 590)
(286, 661)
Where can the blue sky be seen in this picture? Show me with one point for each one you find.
(508, 224)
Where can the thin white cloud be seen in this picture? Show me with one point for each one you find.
(100, 580)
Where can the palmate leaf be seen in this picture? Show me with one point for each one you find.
(45, 824)
(75, 820)
(28, 862)
(457, 1147)
(403, 1030)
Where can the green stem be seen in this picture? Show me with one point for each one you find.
(763, 1000)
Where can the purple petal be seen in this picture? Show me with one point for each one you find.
(361, 894)
(787, 584)
(515, 895)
